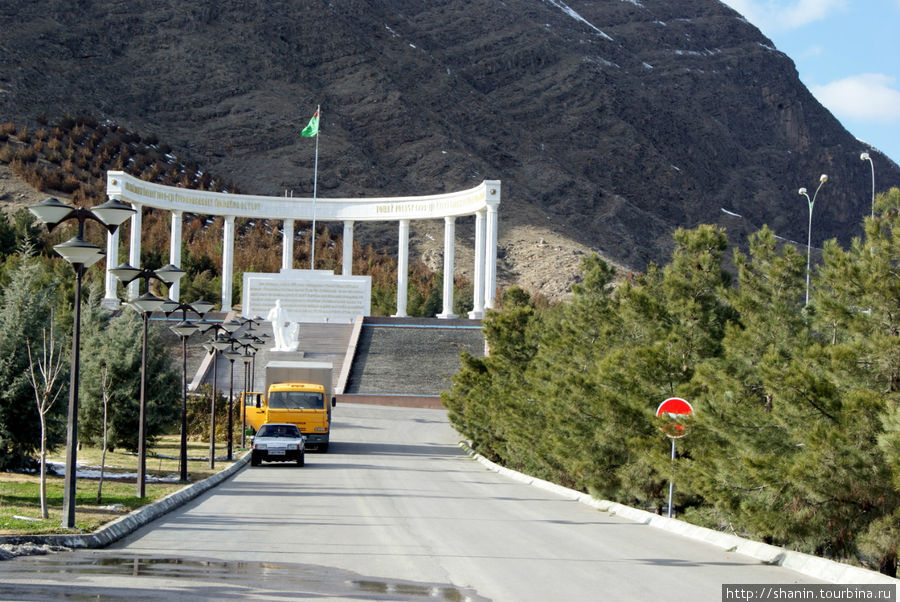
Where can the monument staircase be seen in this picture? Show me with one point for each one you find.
(409, 361)
(388, 361)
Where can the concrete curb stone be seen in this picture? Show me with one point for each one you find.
(131, 522)
(806, 564)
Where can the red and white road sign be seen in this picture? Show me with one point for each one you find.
(676, 410)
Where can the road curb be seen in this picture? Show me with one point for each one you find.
(806, 564)
(132, 521)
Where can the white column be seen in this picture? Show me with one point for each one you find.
(134, 250)
(175, 251)
(227, 261)
(111, 299)
(478, 296)
(287, 244)
(449, 250)
(490, 267)
(348, 249)
(402, 268)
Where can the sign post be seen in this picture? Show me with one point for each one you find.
(676, 410)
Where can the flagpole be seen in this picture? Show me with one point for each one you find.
(312, 238)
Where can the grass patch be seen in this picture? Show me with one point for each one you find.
(20, 508)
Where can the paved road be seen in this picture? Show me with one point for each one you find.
(394, 511)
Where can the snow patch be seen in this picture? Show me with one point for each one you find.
(647, 65)
(600, 61)
(561, 6)
(727, 212)
(635, 2)
(93, 472)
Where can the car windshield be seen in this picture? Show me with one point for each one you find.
(278, 430)
(296, 400)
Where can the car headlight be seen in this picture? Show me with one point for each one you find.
(292, 446)
(259, 446)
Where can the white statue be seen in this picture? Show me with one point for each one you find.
(278, 317)
(292, 340)
(287, 334)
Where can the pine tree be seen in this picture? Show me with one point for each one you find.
(25, 308)
(114, 344)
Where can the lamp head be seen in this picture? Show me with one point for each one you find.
(864, 157)
(51, 211)
(184, 329)
(113, 213)
(170, 305)
(201, 306)
(802, 191)
(823, 178)
(170, 273)
(231, 325)
(76, 250)
(146, 303)
(125, 273)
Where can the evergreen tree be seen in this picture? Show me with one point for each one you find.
(485, 391)
(25, 308)
(114, 344)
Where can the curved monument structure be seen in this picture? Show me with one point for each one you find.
(481, 201)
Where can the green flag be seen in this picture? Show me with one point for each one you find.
(312, 128)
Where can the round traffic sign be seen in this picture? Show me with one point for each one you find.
(676, 410)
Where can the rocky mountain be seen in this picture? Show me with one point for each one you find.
(609, 122)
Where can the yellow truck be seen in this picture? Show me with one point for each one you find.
(297, 392)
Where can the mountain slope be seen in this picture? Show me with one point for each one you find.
(609, 122)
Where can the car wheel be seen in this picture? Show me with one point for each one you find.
(301, 460)
(254, 459)
(323, 448)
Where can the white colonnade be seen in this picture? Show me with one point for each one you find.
(481, 201)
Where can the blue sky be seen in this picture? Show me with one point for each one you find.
(847, 53)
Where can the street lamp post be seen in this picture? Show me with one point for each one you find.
(865, 157)
(231, 326)
(145, 305)
(822, 179)
(219, 342)
(185, 329)
(247, 356)
(81, 255)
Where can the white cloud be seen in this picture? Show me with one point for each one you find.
(785, 15)
(868, 97)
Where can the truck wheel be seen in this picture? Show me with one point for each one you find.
(301, 460)
(254, 459)
(323, 448)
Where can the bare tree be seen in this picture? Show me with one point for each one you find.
(44, 375)
(104, 386)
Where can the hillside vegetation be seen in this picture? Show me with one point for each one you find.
(69, 159)
(796, 435)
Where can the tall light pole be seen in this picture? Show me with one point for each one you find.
(865, 157)
(249, 351)
(822, 179)
(212, 347)
(81, 255)
(185, 329)
(220, 341)
(145, 305)
(231, 326)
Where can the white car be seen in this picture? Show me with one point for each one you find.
(278, 442)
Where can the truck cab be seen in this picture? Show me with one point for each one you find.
(298, 393)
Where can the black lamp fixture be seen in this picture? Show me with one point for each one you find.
(81, 255)
(185, 329)
(145, 305)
